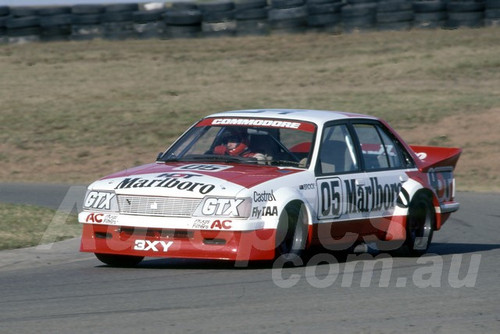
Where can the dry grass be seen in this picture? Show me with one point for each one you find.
(71, 112)
(26, 225)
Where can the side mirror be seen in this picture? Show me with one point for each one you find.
(160, 155)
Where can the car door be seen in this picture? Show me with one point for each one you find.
(385, 163)
(360, 171)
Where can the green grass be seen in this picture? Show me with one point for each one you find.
(74, 111)
(26, 225)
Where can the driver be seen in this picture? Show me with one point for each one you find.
(236, 144)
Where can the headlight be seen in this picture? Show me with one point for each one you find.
(224, 207)
(100, 200)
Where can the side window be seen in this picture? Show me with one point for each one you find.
(391, 150)
(378, 149)
(337, 154)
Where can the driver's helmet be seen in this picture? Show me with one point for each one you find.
(235, 143)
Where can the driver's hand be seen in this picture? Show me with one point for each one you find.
(261, 158)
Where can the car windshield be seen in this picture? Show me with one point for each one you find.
(246, 140)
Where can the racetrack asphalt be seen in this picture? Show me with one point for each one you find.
(453, 289)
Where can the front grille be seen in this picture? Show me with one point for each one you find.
(157, 205)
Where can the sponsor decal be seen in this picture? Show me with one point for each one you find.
(346, 197)
(99, 200)
(256, 122)
(441, 180)
(221, 224)
(155, 246)
(101, 218)
(221, 207)
(202, 224)
(203, 168)
(307, 186)
(265, 211)
(167, 180)
(94, 218)
(403, 200)
(421, 155)
(264, 196)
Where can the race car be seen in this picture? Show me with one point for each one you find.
(273, 183)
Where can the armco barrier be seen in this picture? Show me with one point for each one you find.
(185, 19)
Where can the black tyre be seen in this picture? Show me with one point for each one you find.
(182, 31)
(430, 17)
(251, 14)
(492, 22)
(182, 17)
(321, 20)
(283, 4)
(181, 5)
(249, 4)
(357, 2)
(3, 21)
(358, 24)
(425, 17)
(492, 13)
(323, 1)
(22, 11)
(121, 7)
(123, 261)
(394, 6)
(288, 13)
(214, 17)
(490, 4)
(117, 17)
(4, 10)
(465, 6)
(390, 17)
(216, 6)
(148, 16)
(420, 225)
(429, 6)
(291, 235)
(86, 19)
(87, 9)
(465, 19)
(320, 9)
(22, 22)
(56, 20)
(358, 10)
(26, 31)
(57, 10)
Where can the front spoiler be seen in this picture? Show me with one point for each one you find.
(194, 244)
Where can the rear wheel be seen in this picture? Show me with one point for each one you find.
(420, 225)
(115, 260)
(291, 236)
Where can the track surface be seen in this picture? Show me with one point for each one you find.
(453, 290)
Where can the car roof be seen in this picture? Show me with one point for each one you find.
(310, 115)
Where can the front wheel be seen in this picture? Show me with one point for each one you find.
(291, 235)
(420, 225)
(123, 261)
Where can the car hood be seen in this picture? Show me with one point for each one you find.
(190, 179)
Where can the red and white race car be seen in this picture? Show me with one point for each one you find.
(260, 184)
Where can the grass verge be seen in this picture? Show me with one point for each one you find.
(27, 225)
